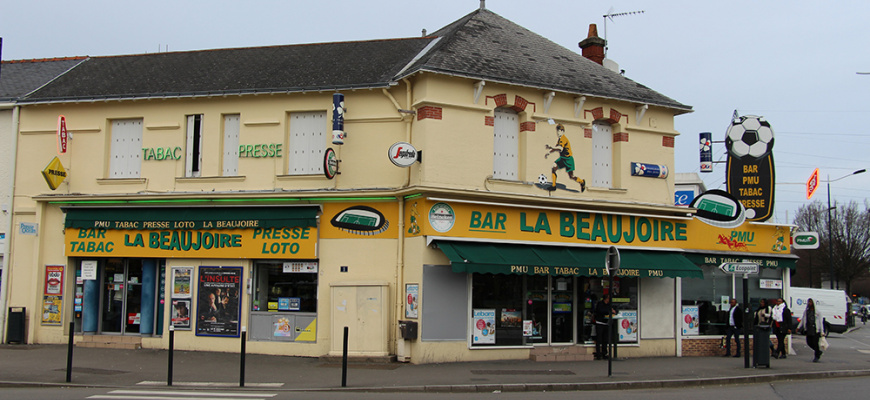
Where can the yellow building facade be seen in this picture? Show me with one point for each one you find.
(238, 212)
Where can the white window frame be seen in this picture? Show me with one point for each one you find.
(307, 143)
(126, 149)
(193, 151)
(602, 155)
(505, 154)
(232, 131)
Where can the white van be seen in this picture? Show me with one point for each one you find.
(833, 304)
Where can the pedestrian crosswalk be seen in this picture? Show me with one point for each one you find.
(181, 395)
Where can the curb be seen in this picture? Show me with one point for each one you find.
(520, 387)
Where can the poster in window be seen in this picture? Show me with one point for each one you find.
(181, 277)
(412, 303)
(690, 320)
(218, 302)
(627, 325)
(181, 314)
(483, 321)
(511, 318)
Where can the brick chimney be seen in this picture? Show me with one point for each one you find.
(593, 46)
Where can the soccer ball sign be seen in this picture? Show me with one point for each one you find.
(749, 137)
(543, 180)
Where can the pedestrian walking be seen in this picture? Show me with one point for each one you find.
(813, 324)
(781, 316)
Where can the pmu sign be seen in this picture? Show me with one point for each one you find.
(739, 268)
(812, 183)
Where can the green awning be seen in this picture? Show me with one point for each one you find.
(490, 258)
(162, 218)
(787, 261)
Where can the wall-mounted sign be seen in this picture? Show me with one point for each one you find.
(750, 176)
(812, 183)
(649, 170)
(338, 111)
(412, 303)
(361, 220)
(718, 208)
(62, 134)
(330, 163)
(770, 283)
(683, 197)
(52, 299)
(54, 173)
(403, 154)
(806, 240)
(28, 228)
(706, 152)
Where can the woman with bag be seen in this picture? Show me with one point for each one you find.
(813, 324)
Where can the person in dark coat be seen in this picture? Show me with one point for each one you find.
(735, 324)
(781, 317)
(602, 313)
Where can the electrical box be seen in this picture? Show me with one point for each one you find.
(408, 329)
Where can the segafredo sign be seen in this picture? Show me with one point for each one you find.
(403, 154)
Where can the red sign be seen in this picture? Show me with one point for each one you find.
(54, 280)
(62, 134)
(812, 183)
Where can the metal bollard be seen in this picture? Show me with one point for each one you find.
(344, 361)
(171, 351)
(242, 360)
(69, 353)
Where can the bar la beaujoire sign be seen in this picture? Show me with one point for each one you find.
(285, 233)
(553, 226)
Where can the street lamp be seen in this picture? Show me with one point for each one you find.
(830, 230)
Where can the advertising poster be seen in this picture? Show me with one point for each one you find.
(690, 321)
(511, 318)
(218, 301)
(412, 304)
(181, 314)
(51, 307)
(627, 325)
(52, 299)
(181, 282)
(483, 321)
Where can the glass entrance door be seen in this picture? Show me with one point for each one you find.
(122, 296)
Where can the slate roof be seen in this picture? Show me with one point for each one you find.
(327, 66)
(484, 45)
(481, 45)
(20, 77)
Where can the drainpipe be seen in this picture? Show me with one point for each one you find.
(9, 223)
(400, 246)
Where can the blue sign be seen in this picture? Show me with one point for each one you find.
(649, 170)
(683, 197)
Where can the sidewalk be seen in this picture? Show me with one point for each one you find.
(25, 365)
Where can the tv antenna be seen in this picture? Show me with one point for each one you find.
(610, 14)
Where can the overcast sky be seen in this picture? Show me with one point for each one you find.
(793, 62)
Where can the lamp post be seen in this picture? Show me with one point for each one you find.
(830, 230)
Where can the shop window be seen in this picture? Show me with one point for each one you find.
(602, 155)
(126, 149)
(522, 310)
(231, 145)
(624, 300)
(193, 158)
(281, 287)
(506, 133)
(705, 301)
(307, 143)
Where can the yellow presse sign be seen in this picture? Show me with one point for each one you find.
(269, 243)
(54, 173)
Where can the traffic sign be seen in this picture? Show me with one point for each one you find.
(739, 268)
(812, 183)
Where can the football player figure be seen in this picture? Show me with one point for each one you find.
(565, 160)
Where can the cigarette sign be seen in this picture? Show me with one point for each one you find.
(62, 134)
(812, 183)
